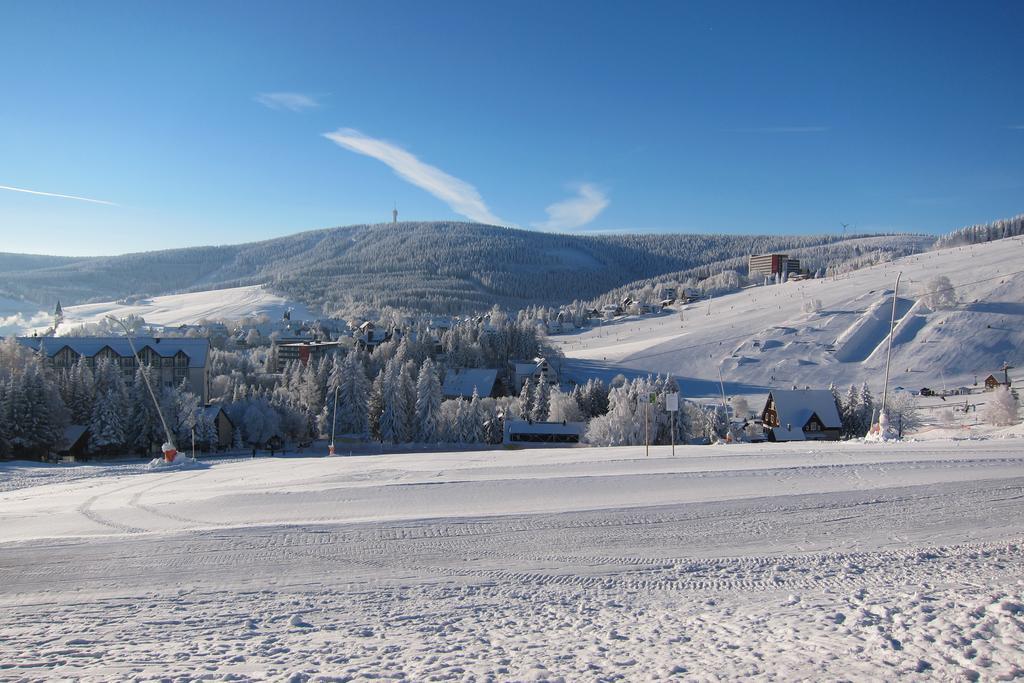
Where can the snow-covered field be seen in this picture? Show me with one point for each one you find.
(770, 337)
(181, 309)
(834, 561)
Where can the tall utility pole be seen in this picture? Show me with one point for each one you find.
(647, 426)
(1006, 373)
(334, 420)
(721, 386)
(888, 353)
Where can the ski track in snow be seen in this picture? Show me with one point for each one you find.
(788, 562)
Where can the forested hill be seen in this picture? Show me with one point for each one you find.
(437, 266)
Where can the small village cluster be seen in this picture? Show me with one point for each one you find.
(265, 385)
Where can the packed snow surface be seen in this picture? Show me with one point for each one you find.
(809, 561)
(816, 332)
(186, 309)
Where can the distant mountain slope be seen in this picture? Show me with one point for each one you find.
(13, 263)
(839, 256)
(438, 266)
(834, 329)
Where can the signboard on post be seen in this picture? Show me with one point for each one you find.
(672, 406)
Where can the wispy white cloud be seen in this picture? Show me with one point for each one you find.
(1019, 126)
(54, 194)
(576, 211)
(458, 194)
(783, 129)
(292, 101)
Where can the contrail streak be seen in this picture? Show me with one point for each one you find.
(54, 194)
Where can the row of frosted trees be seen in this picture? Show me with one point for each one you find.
(37, 404)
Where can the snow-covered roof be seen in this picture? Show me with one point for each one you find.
(788, 431)
(165, 347)
(794, 408)
(528, 427)
(525, 368)
(72, 433)
(211, 411)
(528, 367)
(462, 382)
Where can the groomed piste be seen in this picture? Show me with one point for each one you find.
(843, 560)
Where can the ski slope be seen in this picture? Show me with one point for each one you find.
(184, 309)
(771, 336)
(817, 562)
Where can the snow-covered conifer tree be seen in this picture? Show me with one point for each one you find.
(474, 420)
(428, 403)
(20, 423)
(110, 410)
(716, 423)
(577, 396)
(327, 420)
(375, 405)
(354, 397)
(494, 428)
(206, 432)
(526, 397)
(406, 393)
(866, 405)
(447, 423)
(541, 401)
(392, 416)
(851, 415)
(597, 398)
(144, 430)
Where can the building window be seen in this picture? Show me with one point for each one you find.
(148, 357)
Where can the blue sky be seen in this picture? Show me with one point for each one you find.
(211, 123)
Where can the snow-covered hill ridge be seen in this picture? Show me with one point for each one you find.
(184, 309)
(815, 332)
